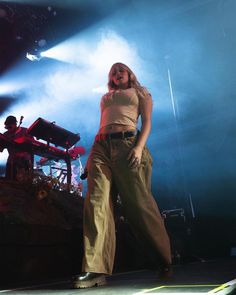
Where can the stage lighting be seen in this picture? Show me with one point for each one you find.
(43, 54)
(33, 57)
(36, 53)
(4, 89)
(51, 53)
(42, 42)
(8, 87)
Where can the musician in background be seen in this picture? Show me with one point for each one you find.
(19, 164)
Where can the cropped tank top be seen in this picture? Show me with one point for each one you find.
(120, 107)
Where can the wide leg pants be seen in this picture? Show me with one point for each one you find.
(107, 166)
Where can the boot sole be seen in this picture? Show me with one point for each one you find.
(101, 281)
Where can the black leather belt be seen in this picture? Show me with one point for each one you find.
(116, 135)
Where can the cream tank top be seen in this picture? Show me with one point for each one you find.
(120, 107)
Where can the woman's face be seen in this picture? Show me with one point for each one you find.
(120, 77)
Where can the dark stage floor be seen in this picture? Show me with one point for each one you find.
(209, 277)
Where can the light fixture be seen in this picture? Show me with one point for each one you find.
(33, 57)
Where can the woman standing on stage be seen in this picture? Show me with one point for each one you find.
(120, 158)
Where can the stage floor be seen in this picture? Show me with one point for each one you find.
(206, 277)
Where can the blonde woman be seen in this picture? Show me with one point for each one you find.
(119, 157)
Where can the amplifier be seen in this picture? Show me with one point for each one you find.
(174, 218)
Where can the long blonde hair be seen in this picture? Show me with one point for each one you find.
(133, 81)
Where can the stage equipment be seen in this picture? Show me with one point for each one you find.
(75, 152)
(178, 230)
(58, 171)
(174, 218)
(181, 230)
(45, 162)
(33, 57)
(51, 133)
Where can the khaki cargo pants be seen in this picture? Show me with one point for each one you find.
(108, 165)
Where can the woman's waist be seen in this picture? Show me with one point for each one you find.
(114, 128)
(116, 133)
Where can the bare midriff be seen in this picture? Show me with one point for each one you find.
(112, 128)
